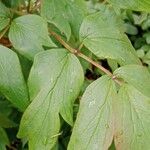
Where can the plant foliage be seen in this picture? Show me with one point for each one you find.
(75, 75)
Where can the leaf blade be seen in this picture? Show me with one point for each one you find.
(28, 34)
(3, 139)
(94, 126)
(136, 75)
(132, 119)
(12, 83)
(61, 14)
(50, 94)
(97, 31)
(5, 16)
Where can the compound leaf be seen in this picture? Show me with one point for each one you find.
(12, 83)
(54, 83)
(102, 33)
(28, 34)
(136, 75)
(94, 125)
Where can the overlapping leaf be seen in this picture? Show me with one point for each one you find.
(5, 122)
(5, 16)
(54, 84)
(93, 129)
(28, 34)
(12, 83)
(137, 5)
(132, 120)
(105, 115)
(61, 14)
(136, 75)
(102, 33)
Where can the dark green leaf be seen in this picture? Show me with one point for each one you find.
(3, 139)
(12, 3)
(5, 16)
(5, 122)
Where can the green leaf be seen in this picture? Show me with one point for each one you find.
(5, 16)
(130, 29)
(113, 64)
(102, 33)
(132, 124)
(12, 83)
(28, 34)
(93, 128)
(75, 16)
(62, 13)
(137, 5)
(54, 83)
(5, 122)
(12, 3)
(54, 12)
(3, 139)
(136, 75)
(5, 106)
(147, 37)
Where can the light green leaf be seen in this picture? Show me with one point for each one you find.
(93, 128)
(147, 37)
(102, 33)
(75, 16)
(132, 121)
(137, 5)
(113, 64)
(54, 83)
(5, 122)
(28, 34)
(130, 29)
(54, 12)
(5, 16)
(136, 75)
(12, 83)
(3, 139)
(61, 14)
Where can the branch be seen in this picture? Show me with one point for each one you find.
(78, 53)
